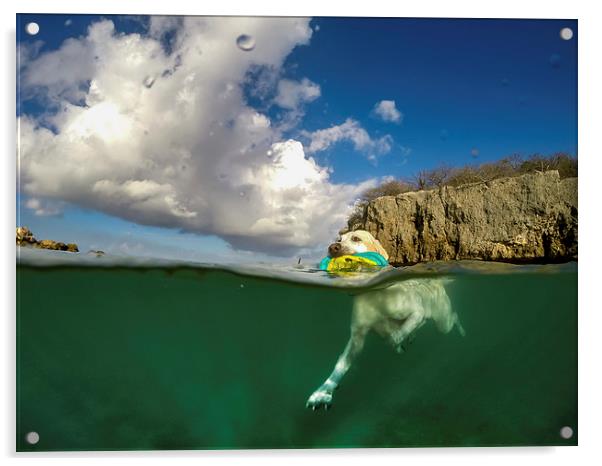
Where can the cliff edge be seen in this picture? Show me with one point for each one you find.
(522, 219)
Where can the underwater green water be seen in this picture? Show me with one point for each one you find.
(131, 359)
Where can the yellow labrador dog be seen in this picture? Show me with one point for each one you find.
(395, 312)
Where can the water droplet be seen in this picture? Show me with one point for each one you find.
(566, 432)
(269, 153)
(317, 27)
(32, 438)
(566, 33)
(149, 81)
(32, 28)
(474, 152)
(554, 60)
(242, 286)
(245, 42)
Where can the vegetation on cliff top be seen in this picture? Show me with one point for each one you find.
(445, 175)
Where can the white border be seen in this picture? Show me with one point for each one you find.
(590, 305)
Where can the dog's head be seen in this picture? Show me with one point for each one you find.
(354, 242)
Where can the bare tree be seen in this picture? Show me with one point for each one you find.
(438, 177)
(420, 180)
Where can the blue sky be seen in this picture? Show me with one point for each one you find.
(463, 87)
(461, 84)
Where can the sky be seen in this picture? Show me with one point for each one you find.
(250, 139)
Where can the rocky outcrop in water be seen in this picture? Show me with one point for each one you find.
(25, 238)
(528, 218)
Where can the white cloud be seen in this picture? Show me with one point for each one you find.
(44, 208)
(351, 131)
(158, 132)
(291, 94)
(386, 110)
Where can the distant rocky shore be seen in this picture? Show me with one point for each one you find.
(25, 238)
(524, 219)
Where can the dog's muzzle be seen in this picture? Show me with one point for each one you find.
(334, 250)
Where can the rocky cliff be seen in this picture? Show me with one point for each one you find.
(528, 218)
(25, 238)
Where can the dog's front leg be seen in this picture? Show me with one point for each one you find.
(409, 326)
(322, 397)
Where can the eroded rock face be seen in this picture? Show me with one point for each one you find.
(25, 238)
(24, 235)
(529, 218)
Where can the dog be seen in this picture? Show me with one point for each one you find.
(395, 313)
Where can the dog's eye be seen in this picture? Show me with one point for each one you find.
(355, 238)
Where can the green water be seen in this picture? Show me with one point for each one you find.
(130, 359)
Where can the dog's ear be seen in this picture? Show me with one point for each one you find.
(379, 248)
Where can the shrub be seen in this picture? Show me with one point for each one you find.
(444, 175)
(388, 188)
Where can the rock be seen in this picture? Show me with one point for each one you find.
(528, 218)
(25, 238)
(50, 244)
(24, 235)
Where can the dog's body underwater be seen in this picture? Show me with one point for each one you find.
(395, 313)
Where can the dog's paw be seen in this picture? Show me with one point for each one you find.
(320, 398)
(402, 345)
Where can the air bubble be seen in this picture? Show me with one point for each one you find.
(149, 81)
(245, 42)
(32, 28)
(555, 60)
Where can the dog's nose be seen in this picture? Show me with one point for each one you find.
(334, 249)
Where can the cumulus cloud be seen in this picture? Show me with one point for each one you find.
(291, 94)
(351, 131)
(155, 128)
(386, 110)
(44, 207)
